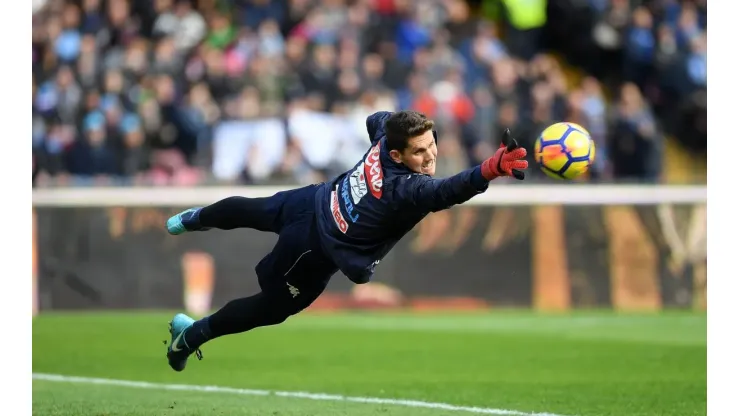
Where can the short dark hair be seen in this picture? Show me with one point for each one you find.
(403, 125)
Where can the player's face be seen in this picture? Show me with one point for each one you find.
(421, 154)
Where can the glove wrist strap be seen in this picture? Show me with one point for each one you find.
(487, 170)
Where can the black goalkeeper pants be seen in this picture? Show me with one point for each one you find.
(292, 275)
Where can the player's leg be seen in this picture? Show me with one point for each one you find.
(272, 306)
(237, 316)
(263, 214)
(283, 294)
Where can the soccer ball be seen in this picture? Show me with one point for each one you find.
(564, 151)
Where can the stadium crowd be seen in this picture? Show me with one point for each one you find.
(187, 92)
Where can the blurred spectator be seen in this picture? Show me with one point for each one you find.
(639, 47)
(183, 92)
(635, 143)
(660, 46)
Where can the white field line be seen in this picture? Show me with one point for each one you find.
(293, 394)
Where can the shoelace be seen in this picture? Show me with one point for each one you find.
(198, 353)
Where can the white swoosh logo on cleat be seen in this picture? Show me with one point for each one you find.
(176, 341)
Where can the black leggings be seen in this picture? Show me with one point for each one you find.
(240, 212)
(243, 314)
(295, 264)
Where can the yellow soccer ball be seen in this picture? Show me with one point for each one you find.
(564, 151)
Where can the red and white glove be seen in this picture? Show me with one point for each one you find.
(507, 161)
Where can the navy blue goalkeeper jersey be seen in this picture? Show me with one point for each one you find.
(365, 211)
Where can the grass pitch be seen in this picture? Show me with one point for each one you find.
(507, 363)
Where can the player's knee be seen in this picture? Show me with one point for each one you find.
(290, 309)
(280, 315)
(277, 317)
(280, 310)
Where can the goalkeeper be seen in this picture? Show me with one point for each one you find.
(347, 224)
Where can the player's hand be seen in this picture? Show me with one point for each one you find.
(507, 161)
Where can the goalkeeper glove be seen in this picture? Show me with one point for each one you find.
(507, 161)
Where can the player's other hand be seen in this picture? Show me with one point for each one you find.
(507, 161)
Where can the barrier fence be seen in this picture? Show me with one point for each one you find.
(557, 248)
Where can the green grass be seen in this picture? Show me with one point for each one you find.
(587, 364)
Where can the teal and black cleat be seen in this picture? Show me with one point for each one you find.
(185, 221)
(178, 351)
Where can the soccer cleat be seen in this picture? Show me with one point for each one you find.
(178, 351)
(184, 222)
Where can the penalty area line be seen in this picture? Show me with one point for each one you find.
(291, 394)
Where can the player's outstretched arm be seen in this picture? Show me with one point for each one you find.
(428, 194)
(375, 124)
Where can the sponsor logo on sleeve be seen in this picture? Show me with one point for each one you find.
(374, 172)
(337, 213)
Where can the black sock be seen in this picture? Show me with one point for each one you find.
(198, 334)
(240, 315)
(239, 212)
